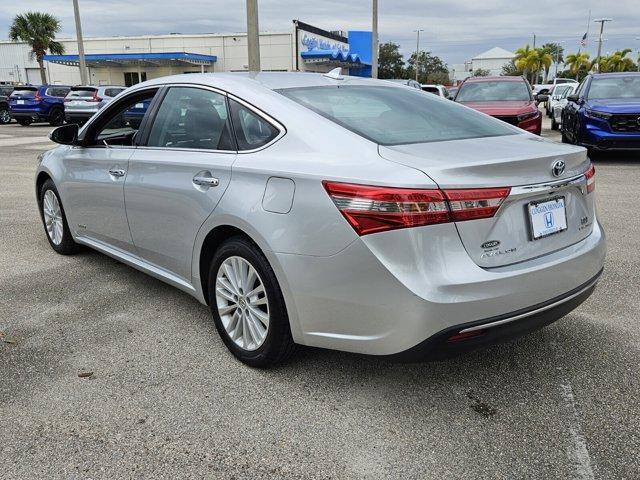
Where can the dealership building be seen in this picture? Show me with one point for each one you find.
(129, 60)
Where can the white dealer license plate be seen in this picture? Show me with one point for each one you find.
(547, 217)
(20, 102)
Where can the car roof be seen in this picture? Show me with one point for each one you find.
(269, 80)
(616, 74)
(495, 79)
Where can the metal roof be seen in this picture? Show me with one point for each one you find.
(149, 59)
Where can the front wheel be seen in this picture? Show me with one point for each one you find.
(55, 221)
(247, 304)
(5, 116)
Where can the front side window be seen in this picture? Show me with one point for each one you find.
(615, 87)
(120, 124)
(494, 91)
(192, 118)
(395, 116)
(252, 131)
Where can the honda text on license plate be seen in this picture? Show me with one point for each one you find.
(547, 217)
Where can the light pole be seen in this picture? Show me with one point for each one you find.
(82, 63)
(417, 50)
(601, 21)
(374, 40)
(638, 59)
(253, 36)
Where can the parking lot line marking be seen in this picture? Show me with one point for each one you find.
(577, 451)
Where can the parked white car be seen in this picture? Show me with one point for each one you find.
(558, 106)
(545, 88)
(83, 101)
(439, 90)
(556, 94)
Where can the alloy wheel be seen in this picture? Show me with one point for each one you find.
(52, 217)
(242, 303)
(5, 116)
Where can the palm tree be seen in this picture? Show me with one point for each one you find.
(522, 60)
(617, 62)
(557, 54)
(541, 59)
(578, 61)
(39, 31)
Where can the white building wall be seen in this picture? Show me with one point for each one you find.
(276, 50)
(494, 65)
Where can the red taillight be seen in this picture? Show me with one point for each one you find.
(37, 98)
(462, 336)
(475, 203)
(370, 209)
(95, 98)
(591, 179)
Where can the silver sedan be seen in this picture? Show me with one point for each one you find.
(337, 212)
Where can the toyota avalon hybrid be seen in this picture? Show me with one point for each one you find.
(331, 211)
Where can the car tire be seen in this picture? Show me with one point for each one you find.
(5, 116)
(56, 117)
(239, 317)
(54, 220)
(25, 122)
(554, 124)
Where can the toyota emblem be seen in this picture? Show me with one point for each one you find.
(557, 168)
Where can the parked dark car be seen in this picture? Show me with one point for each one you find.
(604, 113)
(45, 103)
(5, 91)
(506, 98)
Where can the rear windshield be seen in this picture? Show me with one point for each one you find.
(24, 92)
(396, 116)
(615, 87)
(493, 91)
(82, 92)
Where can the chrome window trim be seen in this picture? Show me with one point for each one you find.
(282, 131)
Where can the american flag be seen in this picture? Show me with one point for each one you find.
(583, 42)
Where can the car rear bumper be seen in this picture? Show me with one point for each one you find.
(392, 292)
(28, 114)
(72, 116)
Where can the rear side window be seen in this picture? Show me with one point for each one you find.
(57, 92)
(192, 118)
(252, 131)
(395, 116)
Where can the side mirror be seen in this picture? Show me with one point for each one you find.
(65, 135)
(541, 97)
(573, 98)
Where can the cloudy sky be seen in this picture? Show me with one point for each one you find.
(453, 29)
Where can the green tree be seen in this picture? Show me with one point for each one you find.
(431, 68)
(557, 54)
(38, 30)
(577, 63)
(510, 70)
(390, 61)
(617, 62)
(531, 61)
(481, 72)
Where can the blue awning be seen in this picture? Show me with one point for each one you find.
(333, 57)
(146, 59)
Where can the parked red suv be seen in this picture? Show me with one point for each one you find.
(506, 98)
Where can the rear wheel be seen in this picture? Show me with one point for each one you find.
(55, 221)
(554, 124)
(25, 122)
(5, 116)
(56, 117)
(247, 304)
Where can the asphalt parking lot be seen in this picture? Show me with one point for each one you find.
(166, 400)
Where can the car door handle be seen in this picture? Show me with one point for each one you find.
(205, 181)
(117, 172)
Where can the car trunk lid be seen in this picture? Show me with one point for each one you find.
(525, 164)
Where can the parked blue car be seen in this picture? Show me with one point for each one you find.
(28, 104)
(604, 113)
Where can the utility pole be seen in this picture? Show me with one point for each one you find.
(601, 21)
(417, 50)
(638, 59)
(83, 64)
(534, 41)
(374, 40)
(253, 36)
